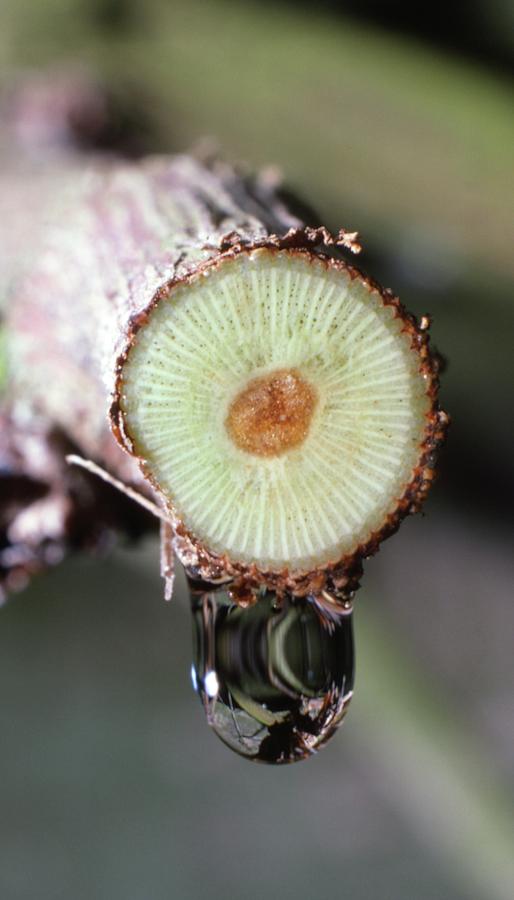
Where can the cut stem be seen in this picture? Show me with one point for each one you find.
(280, 406)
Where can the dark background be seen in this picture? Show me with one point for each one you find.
(396, 121)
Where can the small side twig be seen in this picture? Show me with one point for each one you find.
(73, 460)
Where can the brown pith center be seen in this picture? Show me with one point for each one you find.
(272, 414)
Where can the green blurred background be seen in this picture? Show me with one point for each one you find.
(398, 124)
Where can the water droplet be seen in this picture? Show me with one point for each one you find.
(275, 679)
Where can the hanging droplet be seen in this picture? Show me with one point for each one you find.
(275, 679)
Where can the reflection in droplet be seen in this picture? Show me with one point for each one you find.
(275, 679)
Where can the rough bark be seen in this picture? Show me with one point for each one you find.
(50, 127)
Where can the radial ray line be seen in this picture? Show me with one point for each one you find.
(328, 318)
(346, 320)
(363, 449)
(211, 316)
(395, 352)
(256, 306)
(281, 513)
(186, 454)
(357, 497)
(364, 479)
(260, 521)
(217, 486)
(222, 515)
(286, 304)
(301, 296)
(273, 300)
(329, 498)
(361, 327)
(270, 537)
(326, 300)
(234, 313)
(192, 486)
(287, 506)
(235, 524)
(249, 523)
(301, 520)
(321, 520)
(387, 382)
(360, 489)
(313, 305)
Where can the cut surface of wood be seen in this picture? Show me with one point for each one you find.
(364, 402)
